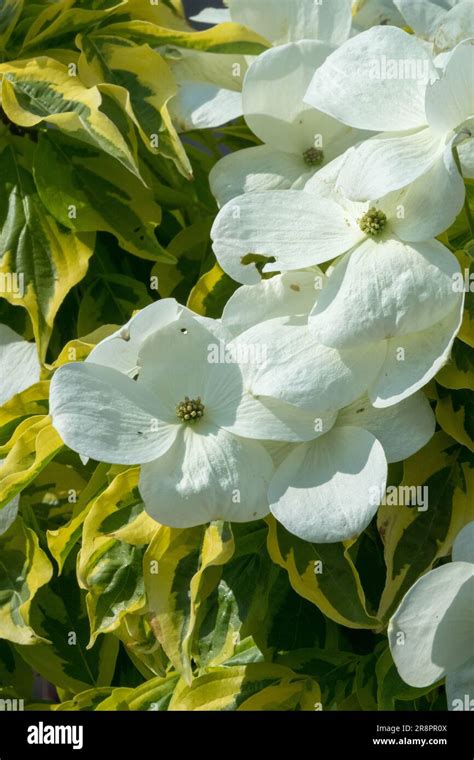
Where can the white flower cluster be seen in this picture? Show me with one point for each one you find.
(295, 401)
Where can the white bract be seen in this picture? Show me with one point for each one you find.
(298, 139)
(19, 364)
(444, 23)
(430, 634)
(385, 80)
(281, 21)
(19, 369)
(209, 88)
(328, 487)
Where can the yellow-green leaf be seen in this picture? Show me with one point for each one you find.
(87, 190)
(41, 257)
(35, 443)
(211, 293)
(146, 77)
(222, 38)
(9, 14)
(455, 415)
(59, 614)
(42, 89)
(258, 686)
(24, 568)
(416, 536)
(109, 568)
(322, 573)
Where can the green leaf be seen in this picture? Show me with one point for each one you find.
(258, 686)
(9, 15)
(455, 415)
(414, 539)
(24, 569)
(59, 615)
(111, 298)
(322, 573)
(146, 77)
(15, 675)
(32, 401)
(211, 293)
(171, 561)
(91, 699)
(390, 686)
(43, 90)
(458, 373)
(222, 38)
(86, 190)
(41, 259)
(152, 696)
(110, 565)
(62, 540)
(33, 445)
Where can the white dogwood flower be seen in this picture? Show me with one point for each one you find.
(328, 487)
(430, 634)
(385, 80)
(153, 395)
(298, 139)
(393, 286)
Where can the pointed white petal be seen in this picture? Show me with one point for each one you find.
(450, 100)
(294, 227)
(322, 492)
(207, 475)
(120, 350)
(256, 170)
(270, 419)
(212, 16)
(413, 360)
(385, 289)
(286, 20)
(388, 162)
(430, 634)
(402, 429)
(200, 105)
(273, 91)
(463, 547)
(185, 358)
(360, 84)
(299, 370)
(429, 205)
(19, 364)
(457, 25)
(102, 414)
(287, 294)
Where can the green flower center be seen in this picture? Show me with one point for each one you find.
(373, 222)
(190, 410)
(313, 156)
